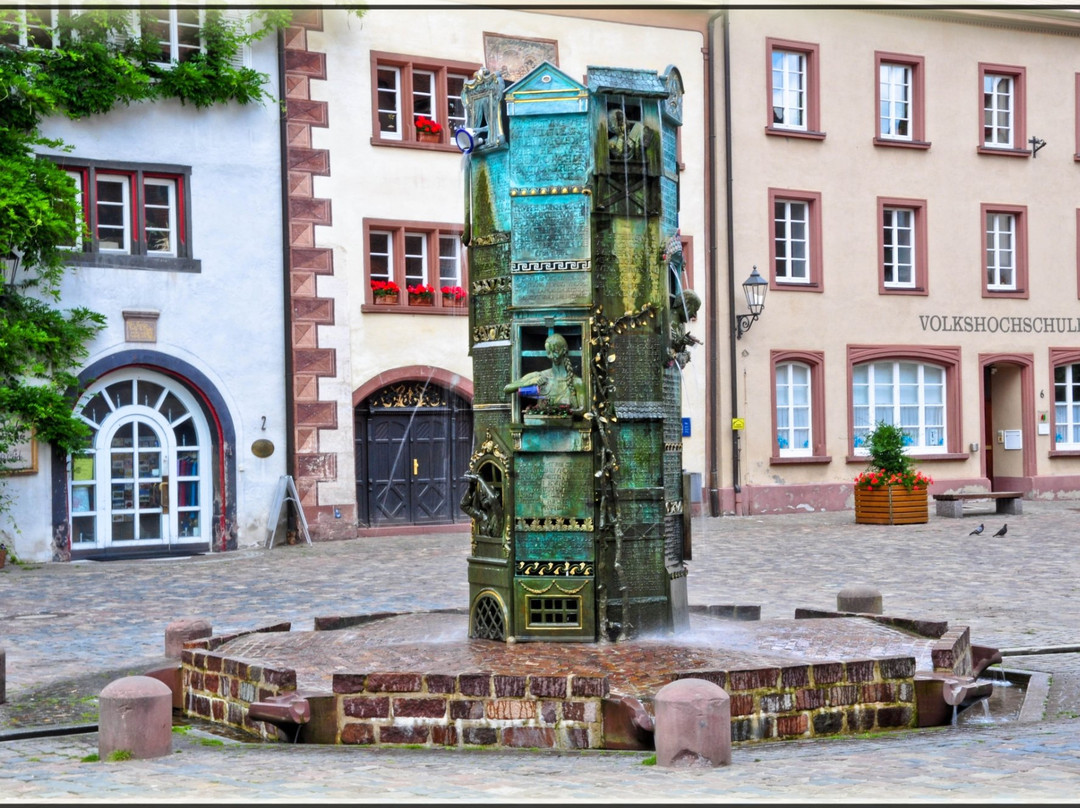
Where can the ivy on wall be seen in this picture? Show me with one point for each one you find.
(99, 60)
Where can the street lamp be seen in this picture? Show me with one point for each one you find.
(755, 288)
(11, 266)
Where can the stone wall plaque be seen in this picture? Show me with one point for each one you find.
(550, 227)
(564, 289)
(560, 148)
(553, 485)
(636, 372)
(492, 365)
(554, 545)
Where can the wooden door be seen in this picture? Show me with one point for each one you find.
(413, 444)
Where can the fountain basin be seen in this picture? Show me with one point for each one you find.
(369, 680)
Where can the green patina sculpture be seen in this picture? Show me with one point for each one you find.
(556, 387)
(578, 333)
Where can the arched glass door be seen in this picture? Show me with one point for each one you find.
(144, 483)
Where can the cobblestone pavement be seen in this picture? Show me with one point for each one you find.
(60, 623)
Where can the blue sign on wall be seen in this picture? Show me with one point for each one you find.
(686, 427)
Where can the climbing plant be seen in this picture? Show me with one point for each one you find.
(87, 63)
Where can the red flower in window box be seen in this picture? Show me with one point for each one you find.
(454, 295)
(421, 295)
(427, 125)
(385, 289)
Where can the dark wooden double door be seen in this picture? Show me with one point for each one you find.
(413, 447)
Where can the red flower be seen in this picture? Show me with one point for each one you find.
(425, 124)
(423, 290)
(384, 288)
(455, 292)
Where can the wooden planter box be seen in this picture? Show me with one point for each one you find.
(386, 300)
(894, 505)
(420, 300)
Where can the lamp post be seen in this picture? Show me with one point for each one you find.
(11, 263)
(754, 288)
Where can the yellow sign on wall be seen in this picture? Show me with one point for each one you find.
(737, 423)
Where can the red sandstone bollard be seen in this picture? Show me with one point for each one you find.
(3, 675)
(693, 724)
(179, 632)
(135, 715)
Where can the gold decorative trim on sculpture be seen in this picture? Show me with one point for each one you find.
(489, 240)
(491, 333)
(490, 285)
(555, 584)
(546, 569)
(555, 524)
(673, 507)
(673, 447)
(554, 190)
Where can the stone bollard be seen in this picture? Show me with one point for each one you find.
(3, 675)
(135, 716)
(860, 599)
(179, 632)
(693, 724)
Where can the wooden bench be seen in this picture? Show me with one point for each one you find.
(1004, 501)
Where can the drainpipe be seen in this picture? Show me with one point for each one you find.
(729, 202)
(713, 324)
(286, 263)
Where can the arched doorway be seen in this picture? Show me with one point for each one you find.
(413, 441)
(145, 486)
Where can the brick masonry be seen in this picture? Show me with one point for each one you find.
(564, 711)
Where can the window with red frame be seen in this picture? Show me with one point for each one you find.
(407, 89)
(425, 258)
(133, 214)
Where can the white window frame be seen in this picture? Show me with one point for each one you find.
(790, 405)
(893, 235)
(379, 255)
(896, 89)
(789, 84)
(416, 260)
(999, 111)
(172, 46)
(124, 181)
(389, 117)
(1067, 410)
(1001, 251)
(449, 260)
(887, 390)
(171, 211)
(46, 20)
(796, 268)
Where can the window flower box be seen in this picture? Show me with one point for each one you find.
(427, 130)
(421, 295)
(386, 293)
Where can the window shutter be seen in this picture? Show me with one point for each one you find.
(242, 19)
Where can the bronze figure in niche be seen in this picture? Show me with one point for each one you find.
(554, 387)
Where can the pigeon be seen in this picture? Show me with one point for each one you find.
(976, 531)
(1001, 532)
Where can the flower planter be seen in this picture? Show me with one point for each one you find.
(892, 505)
(386, 300)
(429, 137)
(421, 300)
(455, 302)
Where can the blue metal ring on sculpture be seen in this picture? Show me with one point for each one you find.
(468, 139)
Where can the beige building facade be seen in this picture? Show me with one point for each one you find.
(907, 182)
